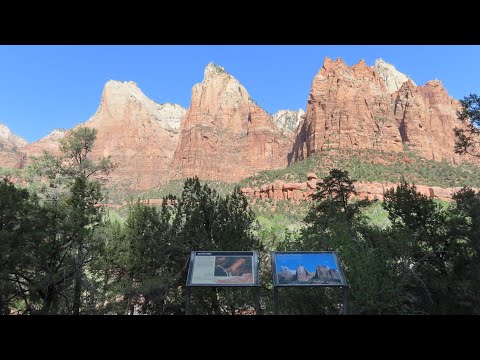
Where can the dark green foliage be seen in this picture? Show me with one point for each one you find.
(464, 223)
(151, 258)
(62, 249)
(440, 253)
(468, 139)
(18, 222)
(333, 194)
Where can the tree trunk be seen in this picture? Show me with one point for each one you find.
(77, 291)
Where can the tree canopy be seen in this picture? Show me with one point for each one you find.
(468, 138)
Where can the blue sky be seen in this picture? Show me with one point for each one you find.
(309, 261)
(48, 87)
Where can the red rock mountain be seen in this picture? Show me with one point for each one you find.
(225, 135)
(427, 116)
(348, 107)
(10, 145)
(352, 107)
(49, 143)
(139, 135)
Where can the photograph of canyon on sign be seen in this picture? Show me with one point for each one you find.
(307, 269)
(119, 161)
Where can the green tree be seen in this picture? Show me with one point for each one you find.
(464, 222)
(36, 262)
(152, 263)
(17, 225)
(335, 222)
(468, 139)
(205, 221)
(438, 257)
(74, 178)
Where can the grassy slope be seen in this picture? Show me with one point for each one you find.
(374, 165)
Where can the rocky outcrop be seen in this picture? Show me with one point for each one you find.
(288, 120)
(348, 107)
(362, 107)
(393, 78)
(10, 148)
(7, 137)
(49, 143)
(279, 190)
(138, 134)
(225, 135)
(427, 116)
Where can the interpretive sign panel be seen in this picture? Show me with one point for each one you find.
(306, 269)
(223, 268)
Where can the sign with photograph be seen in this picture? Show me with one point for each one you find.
(223, 268)
(306, 269)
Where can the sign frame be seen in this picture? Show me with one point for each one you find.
(276, 283)
(195, 254)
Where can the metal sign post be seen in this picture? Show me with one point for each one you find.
(275, 300)
(187, 301)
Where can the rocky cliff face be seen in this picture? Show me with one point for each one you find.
(10, 145)
(49, 143)
(393, 78)
(348, 107)
(288, 120)
(139, 135)
(427, 116)
(357, 107)
(303, 191)
(225, 135)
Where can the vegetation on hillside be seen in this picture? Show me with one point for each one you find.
(409, 255)
(375, 166)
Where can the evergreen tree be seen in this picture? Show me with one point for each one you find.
(468, 139)
(73, 179)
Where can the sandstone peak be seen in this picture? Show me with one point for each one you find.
(118, 96)
(49, 143)
(55, 135)
(225, 135)
(393, 78)
(361, 69)
(435, 84)
(117, 83)
(10, 156)
(348, 107)
(138, 134)
(329, 64)
(8, 137)
(213, 70)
